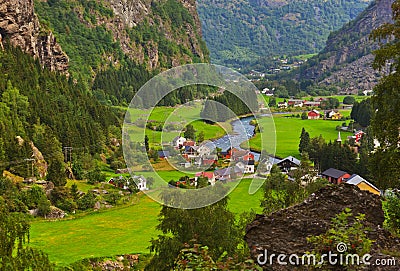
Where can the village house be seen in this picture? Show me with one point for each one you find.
(295, 103)
(123, 183)
(333, 114)
(335, 176)
(313, 115)
(209, 160)
(209, 175)
(178, 141)
(163, 154)
(312, 104)
(203, 150)
(288, 164)
(282, 105)
(265, 166)
(189, 143)
(227, 174)
(363, 184)
(242, 155)
(246, 166)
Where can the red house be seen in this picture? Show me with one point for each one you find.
(313, 115)
(335, 176)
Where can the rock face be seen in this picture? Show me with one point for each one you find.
(131, 14)
(286, 231)
(20, 26)
(347, 58)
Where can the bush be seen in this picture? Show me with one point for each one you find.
(87, 201)
(95, 176)
(349, 100)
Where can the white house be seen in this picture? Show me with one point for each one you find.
(203, 150)
(247, 167)
(178, 141)
(140, 182)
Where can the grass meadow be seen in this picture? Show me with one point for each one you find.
(119, 230)
(288, 130)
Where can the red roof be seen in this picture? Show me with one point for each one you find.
(189, 143)
(208, 175)
(313, 113)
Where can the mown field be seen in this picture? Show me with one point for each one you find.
(288, 130)
(180, 117)
(118, 230)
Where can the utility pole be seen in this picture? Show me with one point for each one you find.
(27, 166)
(66, 150)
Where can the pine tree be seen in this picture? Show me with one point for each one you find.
(304, 141)
(385, 161)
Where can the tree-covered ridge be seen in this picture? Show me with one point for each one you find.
(239, 32)
(93, 35)
(43, 107)
(114, 59)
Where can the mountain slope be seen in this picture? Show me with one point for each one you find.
(238, 32)
(346, 60)
(20, 26)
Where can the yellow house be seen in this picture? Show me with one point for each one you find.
(363, 184)
(337, 116)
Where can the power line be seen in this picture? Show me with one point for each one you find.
(27, 166)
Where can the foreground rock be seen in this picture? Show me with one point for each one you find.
(286, 231)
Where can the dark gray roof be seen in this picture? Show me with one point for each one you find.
(334, 173)
(291, 159)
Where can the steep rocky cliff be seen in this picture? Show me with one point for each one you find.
(286, 231)
(20, 26)
(346, 60)
(156, 34)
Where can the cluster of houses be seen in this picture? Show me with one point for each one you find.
(124, 183)
(336, 176)
(245, 164)
(301, 103)
(333, 114)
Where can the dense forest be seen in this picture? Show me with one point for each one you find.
(98, 59)
(240, 33)
(229, 105)
(49, 110)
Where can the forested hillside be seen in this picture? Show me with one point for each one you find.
(346, 61)
(115, 47)
(239, 32)
(48, 110)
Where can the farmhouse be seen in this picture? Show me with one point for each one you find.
(288, 164)
(140, 182)
(363, 184)
(335, 176)
(178, 141)
(313, 115)
(209, 175)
